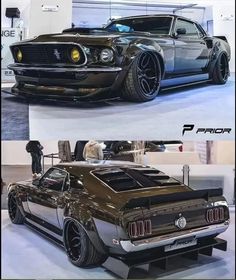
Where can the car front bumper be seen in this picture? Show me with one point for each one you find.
(85, 77)
(169, 239)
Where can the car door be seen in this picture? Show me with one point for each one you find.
(191, 52)
(45, 198)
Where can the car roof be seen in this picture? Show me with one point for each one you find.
(154, 15)
(92, 164)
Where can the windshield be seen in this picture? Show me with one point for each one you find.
(156, 25)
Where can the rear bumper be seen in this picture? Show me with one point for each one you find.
(87, 77)
(158, 241)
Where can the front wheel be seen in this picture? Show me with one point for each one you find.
(143, 79)
(14, 211)
(221, 70)
(79, 248)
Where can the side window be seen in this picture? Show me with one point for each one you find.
(189, 28)
(201, 31)
(54, 179)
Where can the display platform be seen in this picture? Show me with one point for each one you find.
(25, 254)
(161, 118)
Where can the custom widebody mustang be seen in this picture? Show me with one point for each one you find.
(133, 57)
(98, 210)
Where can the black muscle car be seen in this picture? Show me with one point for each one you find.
(133, 57)
(114, 209)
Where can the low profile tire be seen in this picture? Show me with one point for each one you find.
(79, 248)
(14, 211)
(221, 70)
(143, 79)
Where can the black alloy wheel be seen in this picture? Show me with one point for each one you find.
(147, 72)
(221, 70)
(12, 207)
(224, 67)
(142, 82)
(73, 241)
(14, 211)
(79, 248)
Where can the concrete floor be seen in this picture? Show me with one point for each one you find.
(204, 105)
(27, 255)
(163, 118)
(15, 118)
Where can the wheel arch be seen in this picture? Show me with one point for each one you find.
(14, 189)
(146, 45)
(214, 61)
(90, 229)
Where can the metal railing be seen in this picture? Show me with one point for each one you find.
(52, 156)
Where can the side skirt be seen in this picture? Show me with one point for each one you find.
(177, 82)
(49, 234)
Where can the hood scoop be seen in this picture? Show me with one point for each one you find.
(84, 30)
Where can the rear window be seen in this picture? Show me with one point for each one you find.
(124, 179)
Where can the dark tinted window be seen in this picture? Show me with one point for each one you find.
(156, 25)
(54, 179)
(123, 179)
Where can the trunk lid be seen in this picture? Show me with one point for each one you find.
(169, 213)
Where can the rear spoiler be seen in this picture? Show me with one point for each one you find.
(174, 197)
(221, 37)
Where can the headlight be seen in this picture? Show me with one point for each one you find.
(75, 55)
(18, 55)
(106, 55)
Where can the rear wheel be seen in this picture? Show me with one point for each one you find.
(14, 211)
(79, 248)
(221, 70)
(143, 80)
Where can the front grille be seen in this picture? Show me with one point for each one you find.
(48, 54)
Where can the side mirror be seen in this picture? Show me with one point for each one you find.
(181, 31)
(77, 182)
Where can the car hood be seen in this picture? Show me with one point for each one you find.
(87, 37)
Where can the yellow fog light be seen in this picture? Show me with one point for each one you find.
(19, 55)
(75, 55)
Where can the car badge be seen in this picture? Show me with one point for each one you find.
(57, 54)
(181, 222)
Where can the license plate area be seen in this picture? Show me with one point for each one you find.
(181, 243)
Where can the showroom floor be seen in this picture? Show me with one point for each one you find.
(166, 116)
(25, 254)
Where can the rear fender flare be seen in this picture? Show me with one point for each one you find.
(91, 231)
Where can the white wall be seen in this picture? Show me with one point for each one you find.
(206, 171)
(49, 22)
(36, 21)
(223, 152)
(14, 153)
(224, 27)
(22, 5)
